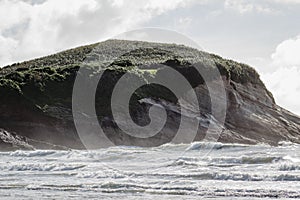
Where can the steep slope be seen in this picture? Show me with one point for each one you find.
(36, 96)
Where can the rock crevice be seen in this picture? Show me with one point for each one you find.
(36, 96)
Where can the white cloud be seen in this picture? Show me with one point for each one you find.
(183, 23)
(259, 6)
(285, 86)
(243, 7)
(287, 53)
(286, 1)
(13, 12)
(39, 36)
(55, 25)
(284, 81)
(7, 48)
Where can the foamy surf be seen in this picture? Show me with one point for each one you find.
(170, 171)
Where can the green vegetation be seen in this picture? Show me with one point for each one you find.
(142, 54)
(49, 80)
(149, 71)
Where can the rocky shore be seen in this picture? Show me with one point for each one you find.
(36, 97)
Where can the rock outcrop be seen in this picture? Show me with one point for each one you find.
(36, 97)
(9, 141)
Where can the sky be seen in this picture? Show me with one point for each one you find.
(262, 33)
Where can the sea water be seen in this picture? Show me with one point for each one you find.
(183, 171)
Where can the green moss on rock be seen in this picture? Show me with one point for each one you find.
(49, 80)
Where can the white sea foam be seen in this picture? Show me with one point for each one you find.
(231, 171)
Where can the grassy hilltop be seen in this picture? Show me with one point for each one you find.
(36, 95)
(40, 78)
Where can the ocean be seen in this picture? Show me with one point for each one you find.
(184, 171)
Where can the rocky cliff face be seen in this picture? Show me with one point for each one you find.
(36, 97)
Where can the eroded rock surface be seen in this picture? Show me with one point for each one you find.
(36, 97)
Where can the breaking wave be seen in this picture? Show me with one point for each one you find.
(174, 170)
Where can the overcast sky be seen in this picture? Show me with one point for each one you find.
(262, 33)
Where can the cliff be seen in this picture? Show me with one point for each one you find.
(36, 97)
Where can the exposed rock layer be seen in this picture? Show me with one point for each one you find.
(36, 96)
